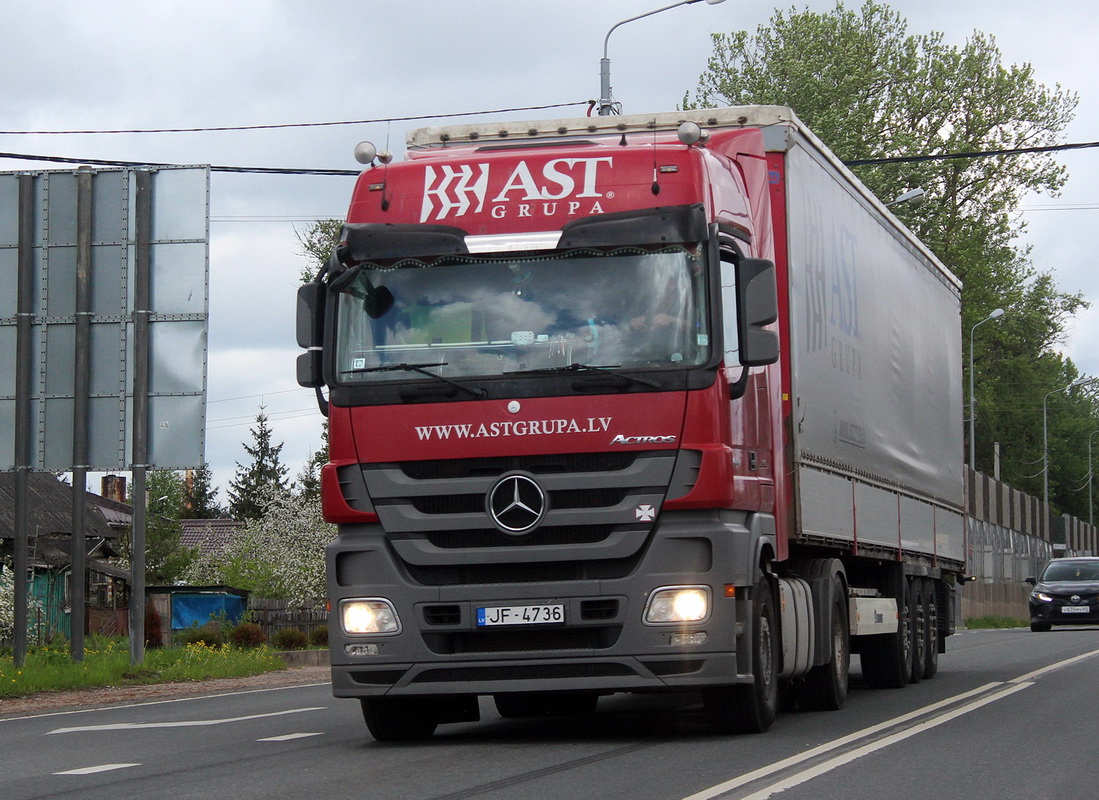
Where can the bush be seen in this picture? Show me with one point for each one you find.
(318, 637)
(247, 635)
(289, 639)
(209, 634)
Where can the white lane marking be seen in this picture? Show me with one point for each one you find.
(1038, 673)
(881, 744)
(1014, 685)
(163, 702)
(835, 744)
(288, 737)
(196, 723)
(94, 770)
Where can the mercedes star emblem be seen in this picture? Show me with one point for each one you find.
(516, 503)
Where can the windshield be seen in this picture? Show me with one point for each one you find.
(1071, 571)
(466, 316)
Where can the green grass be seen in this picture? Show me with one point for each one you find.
(107, 663)
(996, 622)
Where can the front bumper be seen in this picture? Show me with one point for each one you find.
(604, 645)
(1061, 612)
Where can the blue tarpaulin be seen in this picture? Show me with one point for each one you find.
(197, 609)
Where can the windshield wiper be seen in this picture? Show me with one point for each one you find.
(420, 368)
(608, 369)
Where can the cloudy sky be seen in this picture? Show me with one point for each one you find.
(139, 64)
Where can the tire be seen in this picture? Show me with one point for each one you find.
(1041, 627)
(931, 648)
(400, 719)
(887, 657)
(917, 610)
(751, 708)
(825, 687)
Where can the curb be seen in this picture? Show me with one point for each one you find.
(305, 658)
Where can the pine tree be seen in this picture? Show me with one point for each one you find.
(255, 486)
(200, 496)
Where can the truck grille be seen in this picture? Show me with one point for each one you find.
(472, 503)
(600, 506)
(537, 465)
(521, 572)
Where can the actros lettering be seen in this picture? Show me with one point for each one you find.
(456, 190)
(496, 430)
(620, 439)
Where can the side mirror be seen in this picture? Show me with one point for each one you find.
(1032, 581)
(757, 306)
(309, 369)
(310, 333)
(310, 322)
(377, 300)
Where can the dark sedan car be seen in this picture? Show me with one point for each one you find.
(1067, 593)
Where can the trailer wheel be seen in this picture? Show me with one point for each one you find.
(887, 657)
(917, 604)
(399, 719)
(825, 687)
(931, 649)
(751, 708)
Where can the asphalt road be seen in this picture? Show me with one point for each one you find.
(1011, 714)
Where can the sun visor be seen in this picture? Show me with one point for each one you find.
(362, 241)
(664, 225)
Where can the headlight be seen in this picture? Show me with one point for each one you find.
(1045, 598)
(369, 615)
(676, 604)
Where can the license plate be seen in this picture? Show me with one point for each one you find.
(520, 615)
(1075, 609)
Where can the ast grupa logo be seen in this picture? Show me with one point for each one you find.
(560, 186)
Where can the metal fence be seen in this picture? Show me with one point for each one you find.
(1009, 537)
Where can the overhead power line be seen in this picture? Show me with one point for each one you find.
(354, 172)
(976, 154)
(105, 162)
(294, 124)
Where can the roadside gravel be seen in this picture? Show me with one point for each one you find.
(100, 697)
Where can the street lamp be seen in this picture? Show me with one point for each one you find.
(1045, 436)
(999, 312)
(607, 106)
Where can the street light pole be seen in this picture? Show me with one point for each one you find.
(607, 106)
(1091, 516)
(1045, 436)
(999, 312)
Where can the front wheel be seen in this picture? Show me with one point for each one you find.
(751, 708)
(1040, 627)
